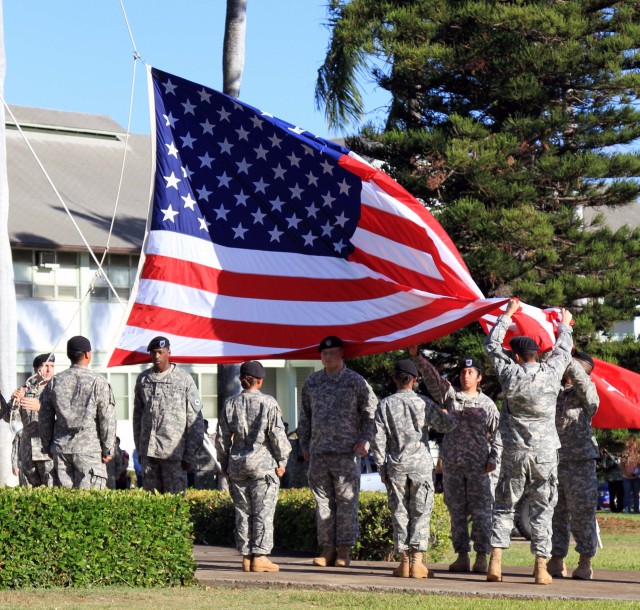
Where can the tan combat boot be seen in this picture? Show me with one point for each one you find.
(480, 564)
(494, 574)
(327, 558)
(583, 571)
(246, 563)
(403, 569)
(540, 573)
(557, 567)
(461, 564)
(418, 569)
(343, 558)
(261, 563)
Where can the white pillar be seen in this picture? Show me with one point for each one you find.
(8, 320)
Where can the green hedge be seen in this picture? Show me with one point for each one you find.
(295, 524)
(63, 537)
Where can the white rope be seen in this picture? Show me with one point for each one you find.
(64, 205)
(100, 271)
(124, 163)
(136, 55)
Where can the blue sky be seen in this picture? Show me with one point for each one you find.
(77, 55)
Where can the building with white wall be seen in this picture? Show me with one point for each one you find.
(58, 292)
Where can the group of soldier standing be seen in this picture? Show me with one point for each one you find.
(540, 445)
(68, 436)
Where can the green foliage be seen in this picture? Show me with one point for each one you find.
(376, 369)
(508, 119)
(213, 517)
(295, 523)
(73, 538)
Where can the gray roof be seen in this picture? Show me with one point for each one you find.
(617, 217)
(83, 155)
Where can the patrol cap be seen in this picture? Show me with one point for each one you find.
(253, 368)
(38, 361)
(406, 366)
(584, 357)
(471, 363)
(523, 344)
(78, 344)
(158, 343)
(329, 342)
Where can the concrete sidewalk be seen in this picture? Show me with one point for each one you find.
(222, 566)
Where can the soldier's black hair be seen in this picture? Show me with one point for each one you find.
(75, 356)
(402, 377)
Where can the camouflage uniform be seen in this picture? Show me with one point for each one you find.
(15, 458)
(400, 448)
(168, 427)
(577, 480)
(35, 465)
(336, 412)
(529, 436)
(251, 444)
(465, 454)
(78, 426)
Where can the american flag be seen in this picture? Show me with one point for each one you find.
(263, 239)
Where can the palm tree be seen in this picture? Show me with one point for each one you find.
(235, 28)
(8, 320)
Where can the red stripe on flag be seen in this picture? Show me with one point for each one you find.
(390, 186)
(254, 286)
(122, 357)
(399, 274)
(286, 336)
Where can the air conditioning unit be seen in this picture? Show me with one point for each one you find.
(46, 259)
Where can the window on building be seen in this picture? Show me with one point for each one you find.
(301, 376)
(120, 386)
(121, 270)
(45, 274)
(207, 384)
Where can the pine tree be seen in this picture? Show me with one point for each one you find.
(508, 120)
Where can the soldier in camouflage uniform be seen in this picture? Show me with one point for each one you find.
(35, 465)
(400, 449)
(335, 425)
(530, 440)
(253, 450)
(469, 454)
(78, 421)
(168, 427)
(577, 479)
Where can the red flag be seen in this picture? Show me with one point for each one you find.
(618, 388)
(263, 239)
(619, 391)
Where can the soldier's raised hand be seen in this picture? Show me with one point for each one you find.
(566, 316)
(413, 350)
(512, 306)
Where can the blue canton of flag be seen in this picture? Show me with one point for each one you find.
(242, 181)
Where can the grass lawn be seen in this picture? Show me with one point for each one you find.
(620, 534)
(277, 599)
